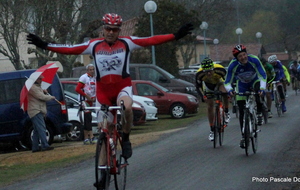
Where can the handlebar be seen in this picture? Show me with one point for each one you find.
(216, 93)
(107, 108)
(247, 93)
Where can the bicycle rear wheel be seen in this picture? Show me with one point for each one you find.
(101, 170)
(121, 176)
(247, 121)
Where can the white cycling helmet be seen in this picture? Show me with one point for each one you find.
(272, 58)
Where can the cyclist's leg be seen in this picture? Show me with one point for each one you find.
(282, 96)
(284, 84)
(269, 103)
(226, 102)
(126, 96)
(210, 109)
(241, 105)
(293, 82)
(210, 112)
(241, 101)
(259, 103)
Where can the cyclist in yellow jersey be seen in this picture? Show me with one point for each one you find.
(287, 80)
(210, 77)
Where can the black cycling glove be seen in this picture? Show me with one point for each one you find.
(35, 40)
(184, 30)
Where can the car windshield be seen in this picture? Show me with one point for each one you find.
(167, 73)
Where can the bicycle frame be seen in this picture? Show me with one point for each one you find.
(109, 160)
(219, 117)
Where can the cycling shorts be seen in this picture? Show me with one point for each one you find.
(109, 94)
(211, 88)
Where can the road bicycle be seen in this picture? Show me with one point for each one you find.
(296, 85)
(110, 165)
(219, 118)
(277, 99)
(250, 127)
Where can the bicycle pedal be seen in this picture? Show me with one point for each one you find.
(258, 130)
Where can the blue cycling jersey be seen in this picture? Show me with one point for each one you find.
(245, 74)
(279, 72)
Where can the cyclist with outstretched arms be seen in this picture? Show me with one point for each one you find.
(279, 76)
(210, 77)
(249, 73)
(111, 54)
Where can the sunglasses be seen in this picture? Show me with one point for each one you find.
(108, 29)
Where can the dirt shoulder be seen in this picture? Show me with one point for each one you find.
(68, 149)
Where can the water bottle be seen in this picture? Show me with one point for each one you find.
(112, 146)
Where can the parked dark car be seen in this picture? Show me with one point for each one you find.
(139, 114)
(152, 73)
(167, 102)
(15, 125)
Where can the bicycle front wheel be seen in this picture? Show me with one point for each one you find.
(254, 138)
(221, 129)
(216, 126)
(277, 104)
(102, 172)
(121, 175)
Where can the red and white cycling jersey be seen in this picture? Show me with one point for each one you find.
(111, 61)
(89, 85)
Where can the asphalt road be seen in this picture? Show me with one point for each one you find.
(186, 160)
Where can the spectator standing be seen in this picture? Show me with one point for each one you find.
(87, 94)
(37, 110)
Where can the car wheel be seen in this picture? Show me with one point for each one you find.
(75, 132)
(27, 141)
(178, 111)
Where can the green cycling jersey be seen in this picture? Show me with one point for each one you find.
(270, 72)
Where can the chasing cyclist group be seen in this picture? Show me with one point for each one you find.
(246, 72)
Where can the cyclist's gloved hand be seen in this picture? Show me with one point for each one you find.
(231, 92)
(261, 92)
(183, 31)
(35, 40)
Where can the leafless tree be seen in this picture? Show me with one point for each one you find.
(12, 15)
